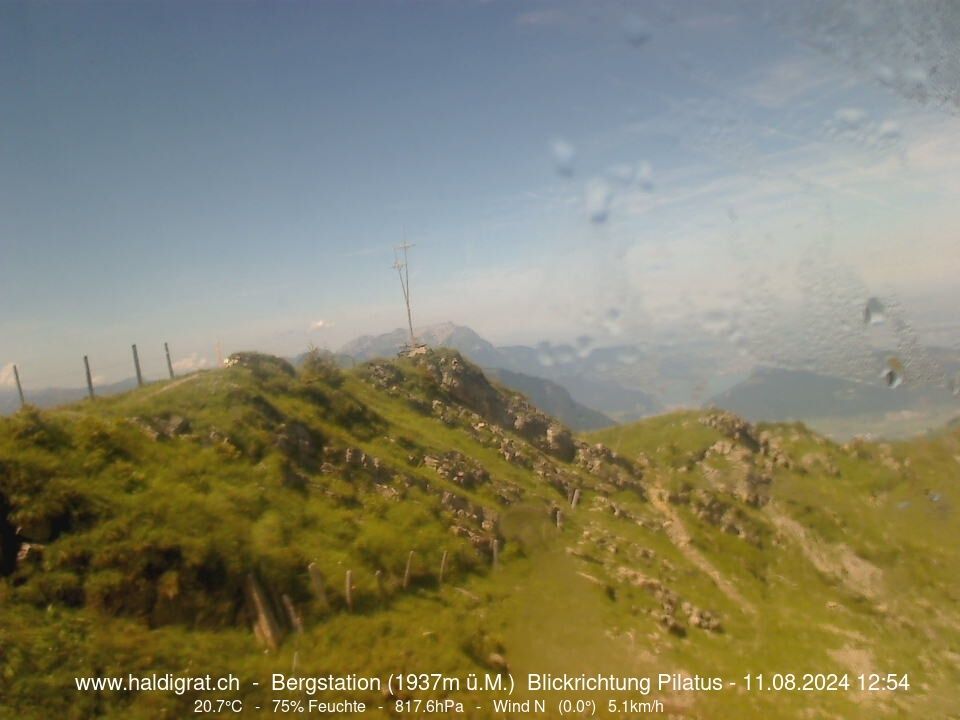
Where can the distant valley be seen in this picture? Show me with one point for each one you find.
(587, 386)
(590, 387)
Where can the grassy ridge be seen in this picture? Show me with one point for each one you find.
(132, 528)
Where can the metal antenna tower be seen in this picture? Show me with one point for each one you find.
(401, 266)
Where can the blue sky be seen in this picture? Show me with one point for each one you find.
(195, 172)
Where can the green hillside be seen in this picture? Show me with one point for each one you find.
(213, 524)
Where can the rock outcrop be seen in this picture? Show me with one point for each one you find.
(466, 385)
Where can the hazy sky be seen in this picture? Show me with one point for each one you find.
(202, 171)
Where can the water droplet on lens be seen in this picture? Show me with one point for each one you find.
(584, 346)
(564, 355)
(954, 385)
(636, 30)
(622, 174)
(611, 321)
(893, 375)
(597, 198)
(645, 177)
(915, 84)
(850, 118)
(545, 354)
(874, 312)
(563, 156)
(715, 322)
(885, 74)
(888, 131)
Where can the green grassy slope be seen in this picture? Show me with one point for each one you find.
(139, 534)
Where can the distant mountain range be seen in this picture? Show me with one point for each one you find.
(458, 337)
(52, 397)
(552, 398)
(559, 380)
(623, 383)
(589, 387)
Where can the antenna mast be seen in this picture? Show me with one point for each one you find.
(403, 270)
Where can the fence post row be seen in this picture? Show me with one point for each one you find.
(89, 375)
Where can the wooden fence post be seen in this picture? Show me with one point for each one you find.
(348, 590)
(136, 365)
(16, 376)
(295, 620)
(406, 572)
(319, 587)
(166, 350)
(266, 623)
(86, 365)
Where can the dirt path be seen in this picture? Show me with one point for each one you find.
(175, 383)
(835, 560)
(677, 532)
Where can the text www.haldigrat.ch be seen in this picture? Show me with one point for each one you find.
(157, 682)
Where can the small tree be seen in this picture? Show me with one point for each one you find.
(321, 365)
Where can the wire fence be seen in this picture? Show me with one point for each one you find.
(90, 375)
